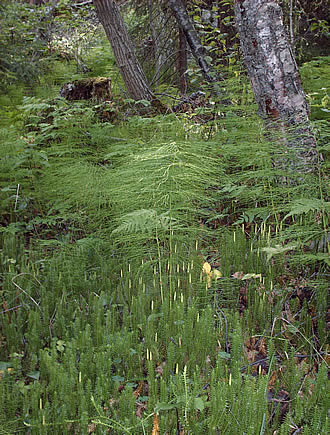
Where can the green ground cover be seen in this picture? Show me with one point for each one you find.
(157, 273)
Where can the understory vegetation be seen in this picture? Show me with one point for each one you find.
(159, 274)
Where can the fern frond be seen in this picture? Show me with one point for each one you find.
(304, 205)
(145, 221)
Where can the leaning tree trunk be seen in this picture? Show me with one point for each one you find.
(179, 11)
(182, 61)
(130, 68)
(275, 79)
(182, 64)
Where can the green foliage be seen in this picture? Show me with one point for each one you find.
(109, 319)
(33, 36)
(22, 42)
(216, 27)
(310, 25)
(145, 221)
(314, 76)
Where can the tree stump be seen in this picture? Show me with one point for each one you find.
(94, 88)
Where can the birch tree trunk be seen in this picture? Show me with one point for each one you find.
(179, 11)
(275, 79)
(130, 68)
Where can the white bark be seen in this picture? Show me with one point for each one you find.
(274, 76)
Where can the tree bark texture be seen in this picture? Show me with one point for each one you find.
(182, 63)
(156, 49)
(179, 11)
(275, 78)
(130, 68)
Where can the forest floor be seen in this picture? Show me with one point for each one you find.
(158, 274)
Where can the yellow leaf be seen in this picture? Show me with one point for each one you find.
(206, 268)
(251, 275)
(216, 274)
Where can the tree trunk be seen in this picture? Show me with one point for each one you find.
(181, 62)
(130, 68)
(197, 49)
(156, 49)
(274, 77)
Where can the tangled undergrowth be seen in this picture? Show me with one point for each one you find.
(158, 274)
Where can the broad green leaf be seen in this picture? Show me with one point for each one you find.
(145, 103)
(277, 249)
(224, 355)
(117, 378)
(163, 406)
(34, 375)
(292, 329)
(199, 403)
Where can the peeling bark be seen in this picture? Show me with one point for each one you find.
(130, 68)
(275, 78)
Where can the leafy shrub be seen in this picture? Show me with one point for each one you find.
(23, 42)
